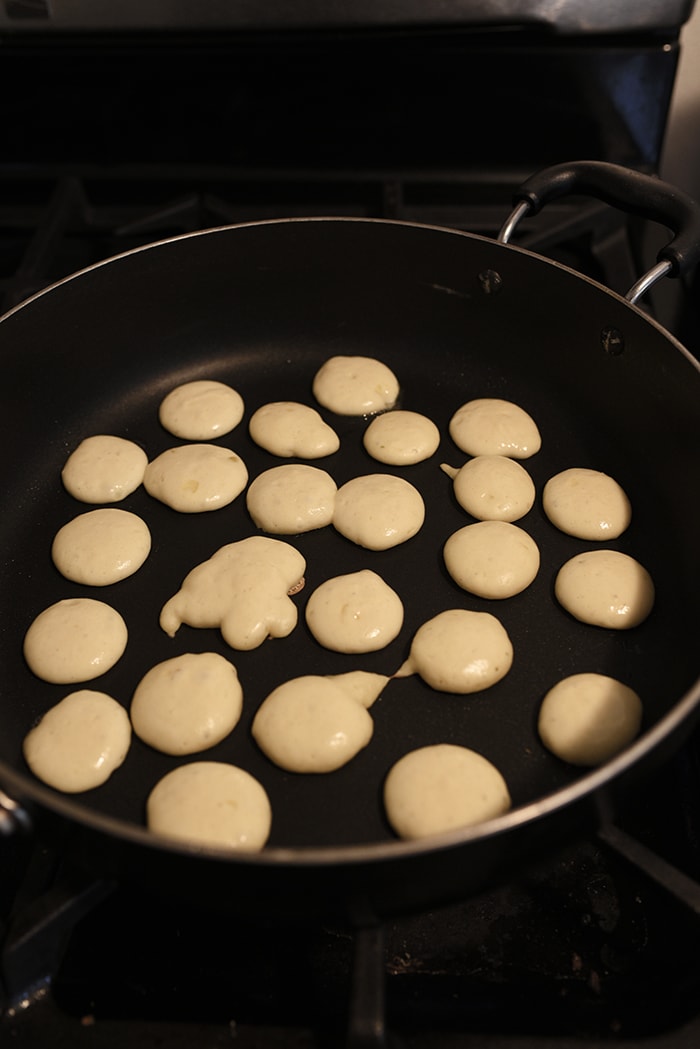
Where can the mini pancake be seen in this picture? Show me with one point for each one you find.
(440, 788)
(188, 703)
(287, 428)
(316, 724)
(357, 612)
(104, 469)
(79, 742)
(378, 511)
(350, 385)
(493, 488)
(194, 478)
(401, 438)
(211, 804)
(201, 410)
(587, 504)
(587, 719)
(243, 588)
(493, 559)
(77, 639)
(492, 426)
(605, 588)
(291, 499)
(101, 547)
(460, 651)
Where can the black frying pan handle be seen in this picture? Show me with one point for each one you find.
(630, 191)
(14, 818)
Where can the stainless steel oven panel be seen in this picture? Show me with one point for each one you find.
(562, 16)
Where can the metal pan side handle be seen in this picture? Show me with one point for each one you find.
(631, 191)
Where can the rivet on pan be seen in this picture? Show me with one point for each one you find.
(491, 281)
(613, 341)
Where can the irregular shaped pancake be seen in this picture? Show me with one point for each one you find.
(243, 588)
(351, 385)
(460, 651)
(104, 469)
(211, 804)
(492, 426)
(493, 488)
(442, 787)
(493, 559)
(605, 588)
(188, 703)
(201, 410)
(357, 612)
(77, 639)
(587, 504)
(287, 428)
(586, 719)
(194, 478)
(378, 511)
(291, 499)
(101, 546)
(317, 724)
(79, 742)
(401, 438)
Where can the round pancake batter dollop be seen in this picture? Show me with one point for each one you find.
(355, 385)
(201, 410)
(76, 639)
(442, 787)
(79, 742)
(101, 547)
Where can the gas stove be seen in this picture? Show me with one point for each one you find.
(127, 133)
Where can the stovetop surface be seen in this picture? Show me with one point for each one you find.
(581, 949)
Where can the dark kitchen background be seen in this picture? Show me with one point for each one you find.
(127, 123)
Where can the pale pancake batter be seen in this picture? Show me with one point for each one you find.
(493, 559)
(290, 429)
(587, 504)
(188, 703)
(243, 588)
(79, 742)
(440, 788)
(355, 386)
(493, 488)
(104, 469)
(401, 438)
(587, 718)
(194, 478)
(605, 588)
(291, 499)
(201, 410)
(492, 426)
(460, 651)
(211, 804)
(101, 547)
(357, 612)
(77, 639)
(317, 724)
(378, 511)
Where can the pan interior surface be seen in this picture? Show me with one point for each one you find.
(261, 307)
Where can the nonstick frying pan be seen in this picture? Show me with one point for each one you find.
(456, 316)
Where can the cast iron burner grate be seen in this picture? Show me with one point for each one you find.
(54, 223)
